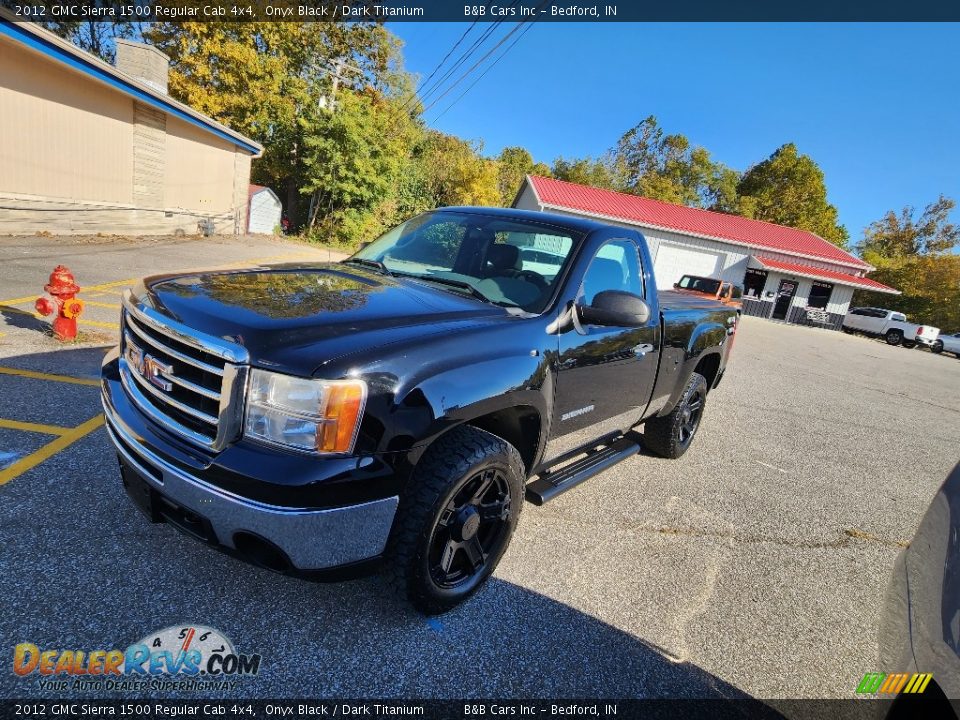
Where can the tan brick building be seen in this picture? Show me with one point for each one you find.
(87, 147)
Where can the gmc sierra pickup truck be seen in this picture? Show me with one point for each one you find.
(398, 408)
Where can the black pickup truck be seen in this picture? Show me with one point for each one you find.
(398, 407)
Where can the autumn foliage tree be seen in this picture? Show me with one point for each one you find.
(263, 78)
(788, 188)
(913, 254)
(647, 161)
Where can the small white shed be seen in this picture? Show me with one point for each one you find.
(264, 210)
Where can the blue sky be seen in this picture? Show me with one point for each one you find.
(876, 105)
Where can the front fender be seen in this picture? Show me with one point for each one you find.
(425, 407)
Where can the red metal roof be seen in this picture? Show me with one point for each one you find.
(723, 227)
(821, 274)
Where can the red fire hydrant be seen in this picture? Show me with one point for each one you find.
(64, 302)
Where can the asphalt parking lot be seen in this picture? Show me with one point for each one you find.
(755, 565)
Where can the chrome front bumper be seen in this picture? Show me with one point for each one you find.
(311, 539)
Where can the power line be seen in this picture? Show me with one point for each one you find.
(488, 69)
(441, 63)
(427, 92)
(477, 64)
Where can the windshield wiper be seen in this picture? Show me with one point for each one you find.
(460, 284)
(375, 264)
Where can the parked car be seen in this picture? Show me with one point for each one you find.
(890, 325)
(719, 290)
(920, 623)
(324, 417)
(947, 343)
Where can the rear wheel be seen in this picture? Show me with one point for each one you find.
(455, 519)
(937, 347)
(893, 337)
(671, 435)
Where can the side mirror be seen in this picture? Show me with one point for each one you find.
(364, 245)
(615, 308)
(676, 285)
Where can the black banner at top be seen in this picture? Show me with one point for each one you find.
(465, 11)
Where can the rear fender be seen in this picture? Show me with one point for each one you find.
(707, 338)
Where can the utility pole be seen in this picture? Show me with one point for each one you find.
(336, 72)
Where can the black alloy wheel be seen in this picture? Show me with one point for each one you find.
(690, 416)
(470, 529)
(455, 518)
(671, 435)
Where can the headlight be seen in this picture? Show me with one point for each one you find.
(317, 415)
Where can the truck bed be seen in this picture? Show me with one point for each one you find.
(674, 300)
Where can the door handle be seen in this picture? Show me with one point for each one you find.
(642, 349)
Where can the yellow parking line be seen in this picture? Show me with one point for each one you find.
(94, 303)
(38, 316)
(50, 449)
(99, 323)
(33, 427)
(86, 288)
(48, 376)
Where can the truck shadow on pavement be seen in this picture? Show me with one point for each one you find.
(85, 570)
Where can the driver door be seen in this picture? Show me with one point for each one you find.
(605, 375)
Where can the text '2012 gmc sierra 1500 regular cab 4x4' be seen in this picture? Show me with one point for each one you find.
(399, 406)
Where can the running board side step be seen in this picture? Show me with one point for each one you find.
(548, 485)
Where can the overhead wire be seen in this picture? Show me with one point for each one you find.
(486, 70)
(474, 67)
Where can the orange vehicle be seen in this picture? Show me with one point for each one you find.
(725, 292)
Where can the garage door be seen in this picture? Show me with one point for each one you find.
(674, 261)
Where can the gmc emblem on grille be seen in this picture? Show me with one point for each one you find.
(149, 367)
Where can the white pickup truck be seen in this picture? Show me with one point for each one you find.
(891, 325)
(947, 343)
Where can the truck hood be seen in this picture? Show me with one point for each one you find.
(297, 319)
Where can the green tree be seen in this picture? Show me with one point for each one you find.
(930, 287)
(789, 189)
(586, 171)
(665, 167)
(354, 154)
(90, 35)
(453, 172)
(263, 78)
(898, 236)
(513, 164)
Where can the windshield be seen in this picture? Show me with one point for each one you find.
(506, 262)
(700, 284)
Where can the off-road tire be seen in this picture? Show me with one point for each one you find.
(937, 347)
(661, 435)
(893, 337)
(449, 463)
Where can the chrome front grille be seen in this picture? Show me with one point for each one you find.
(186, 381)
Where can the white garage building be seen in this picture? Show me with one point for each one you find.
(784, 272)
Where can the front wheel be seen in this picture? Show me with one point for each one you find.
(937, 347)
(671, 435)
(909, 344)
(455, 519)
(894, 337)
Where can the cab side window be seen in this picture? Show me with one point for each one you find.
(616, 266)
